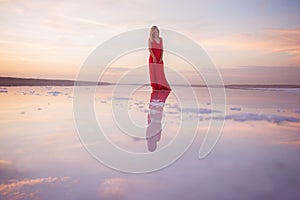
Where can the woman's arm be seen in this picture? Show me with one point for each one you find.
(150, 50)
(162, 50)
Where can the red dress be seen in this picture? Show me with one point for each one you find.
(156, 70)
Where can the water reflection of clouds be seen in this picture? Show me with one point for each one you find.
(42, 158)
(17, 185)
(113, 188)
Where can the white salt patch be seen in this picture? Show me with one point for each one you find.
(278, 110)
(198, 110)
(30, 93)
(154, 111)
(293, 90)
(235, 108)
(3, 90)
(54, 93)
(157, 104)
(243, 117)
(121, 98)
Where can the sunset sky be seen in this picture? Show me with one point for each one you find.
(51, 39)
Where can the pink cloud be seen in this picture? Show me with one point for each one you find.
(270, 40)
(5, 162)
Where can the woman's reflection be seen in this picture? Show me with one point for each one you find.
(156, 106)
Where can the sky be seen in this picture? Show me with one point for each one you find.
(52, 39)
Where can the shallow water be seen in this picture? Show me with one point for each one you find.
(256, 157)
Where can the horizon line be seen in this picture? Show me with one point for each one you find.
(16, 81)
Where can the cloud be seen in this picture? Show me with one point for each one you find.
(292, 143)
(60, 35)
(269, 40)
(286, 40)
(5, 163)
(261, 75)
(283, 40)
(83, 20)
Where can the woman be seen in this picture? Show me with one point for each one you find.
(156, 65)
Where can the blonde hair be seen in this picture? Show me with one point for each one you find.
(153, 28)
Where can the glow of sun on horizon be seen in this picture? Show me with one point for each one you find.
(52, 39)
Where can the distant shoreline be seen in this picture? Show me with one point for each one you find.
(14, 81)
